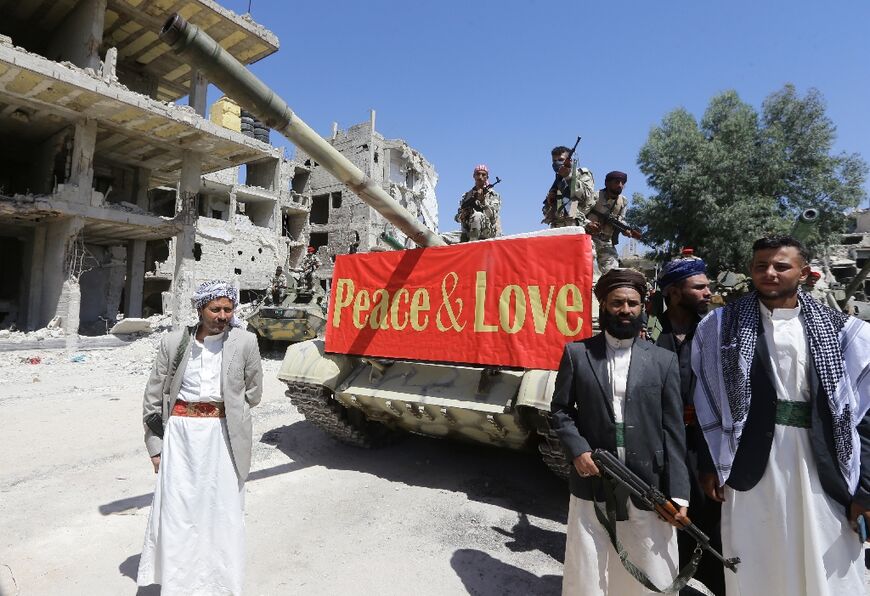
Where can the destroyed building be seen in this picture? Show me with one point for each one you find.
(340, 222)
(106, 197)
(846, 260)
(250, 218)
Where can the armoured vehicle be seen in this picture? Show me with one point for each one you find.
(299, 316)
(367, 401)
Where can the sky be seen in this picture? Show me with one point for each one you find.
(503, 82)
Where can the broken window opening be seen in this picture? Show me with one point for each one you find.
(261, 173)
(259, 212)
(197, 251)
(299, 183)
(319, 209)
(237, 271)
(336, 200)
(318, 239)
(292, 225)
(162, 201)
(217, 214)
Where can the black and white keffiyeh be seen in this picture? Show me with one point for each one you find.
(212, 290)
(722, 353)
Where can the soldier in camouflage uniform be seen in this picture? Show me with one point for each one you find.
(572, 193)
(610, 202)
(310, 264)
(479, 209)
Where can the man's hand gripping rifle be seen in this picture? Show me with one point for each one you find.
(606, 218)
(612, 468)
(471, 203)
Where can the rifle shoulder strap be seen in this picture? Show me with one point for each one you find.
(608, 521)
(179, 353)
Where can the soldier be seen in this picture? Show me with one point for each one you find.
(278, 285)
(572, 193)
(310, 264)
(610, 203)
(479, 209)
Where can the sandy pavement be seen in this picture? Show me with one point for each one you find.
(420, 517)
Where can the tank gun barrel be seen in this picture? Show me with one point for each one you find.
(221, 68)
(805, 223)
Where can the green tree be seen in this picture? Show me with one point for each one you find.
(738, 174)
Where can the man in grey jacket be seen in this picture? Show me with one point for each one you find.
(196, 411)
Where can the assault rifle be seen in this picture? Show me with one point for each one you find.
(550, 209)
(470, 202)
(612, 467)
(623, 227)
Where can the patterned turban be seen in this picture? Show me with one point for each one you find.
(616, 175)
(481, 168)
(620, 278)
(680, 269)
(212, 290)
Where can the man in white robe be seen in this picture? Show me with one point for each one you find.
(621, 394)
(196, 411)
(782, 398)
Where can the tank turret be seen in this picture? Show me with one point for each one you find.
(238, 83)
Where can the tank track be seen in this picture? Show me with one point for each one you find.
(553, 455)
(350, 427)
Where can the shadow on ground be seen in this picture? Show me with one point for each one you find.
(510, 479)
(484, 575)
(527, 537)
(516, 481)
(129, 568)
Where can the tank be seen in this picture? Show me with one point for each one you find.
(366, 401)
(301, 315)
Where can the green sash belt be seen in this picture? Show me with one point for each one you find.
(620, 434)
(792, 413)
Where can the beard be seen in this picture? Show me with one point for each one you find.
(700, 308)
(621, 327)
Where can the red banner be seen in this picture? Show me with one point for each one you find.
(509, 302)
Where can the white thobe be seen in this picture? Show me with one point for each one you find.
(791, 537)
(592, 565)
(195, 540)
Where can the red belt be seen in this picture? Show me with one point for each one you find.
(199, 409)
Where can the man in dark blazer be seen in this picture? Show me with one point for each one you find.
(616, 393)
(686, 291)
(783, 396)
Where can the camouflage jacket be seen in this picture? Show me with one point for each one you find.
(614, 207)
(571, 208)
(490, 208)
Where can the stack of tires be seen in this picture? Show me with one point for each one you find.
(254, 128)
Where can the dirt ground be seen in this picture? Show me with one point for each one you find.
(420, 517)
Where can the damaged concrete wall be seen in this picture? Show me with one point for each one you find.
(340, 221)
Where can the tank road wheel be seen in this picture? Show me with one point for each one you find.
(347, 425)
(553, 455)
